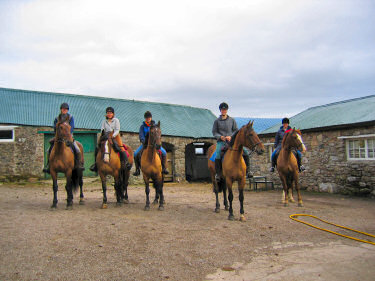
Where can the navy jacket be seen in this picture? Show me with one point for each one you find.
(143, 130)
(279, 136)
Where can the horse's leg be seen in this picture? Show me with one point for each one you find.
(147, 191)
(224, 188)
(297, 187)
(285, 190)
(104, 188)
(160, 191)
(230, 198)
(241, 186)
(55, 188)
(290, 195)
(217, 208)
(126, 183)
(69, 191)
(156, 200)
(81, 197)
(118, 188)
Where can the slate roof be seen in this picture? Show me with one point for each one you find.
(260, 124)
(347, 112)
(36, 108)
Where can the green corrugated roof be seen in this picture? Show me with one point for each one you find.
(334, 114)
(40, 108)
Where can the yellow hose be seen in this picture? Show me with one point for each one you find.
(293, 217)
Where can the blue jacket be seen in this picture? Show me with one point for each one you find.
(143, 130)
(71, 123)
(279, 136)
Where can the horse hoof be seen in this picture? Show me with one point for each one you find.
(286, 204)
(104, 206)
(82, 202)
(292, 200)
(242, 218)
(126, 201)
(300, 204)
(69, 208)
(147, 208)
(231, 217)
(118, 204)
(217, 210)
(226, 208)
(155, 202)
(161, 208)
(54, 206)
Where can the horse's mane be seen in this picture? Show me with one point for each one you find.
(63, 118)
(231, 143)
(146, 138)
(290, 131)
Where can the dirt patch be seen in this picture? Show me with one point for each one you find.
(186, 241)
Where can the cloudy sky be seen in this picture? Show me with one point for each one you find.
(264, 58)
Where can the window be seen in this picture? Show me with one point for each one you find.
(361, 149)
(6, 134)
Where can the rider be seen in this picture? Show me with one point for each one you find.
(278, 140)
(143, 130)
(223, 129)
(112, 124)
(64, 115)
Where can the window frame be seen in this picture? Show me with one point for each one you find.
(8, 128)
(365, 138)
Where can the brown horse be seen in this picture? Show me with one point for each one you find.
(108, 163)
(217, 186)
(234, 167)
(151, 166)
(287, 164)
(61, 160)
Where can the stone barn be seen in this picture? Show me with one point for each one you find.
(26, 125)
(340, 142)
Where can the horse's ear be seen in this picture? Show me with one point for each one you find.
(159, 123)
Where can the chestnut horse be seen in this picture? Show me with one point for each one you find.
(108, 163)
(217, 186)
(61, 160)
(287, 164)
(151, 166)
(234, 167)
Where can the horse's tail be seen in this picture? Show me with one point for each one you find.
(76, 177)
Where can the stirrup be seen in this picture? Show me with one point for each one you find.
(272, 169)
(93, 168)
(137, 173)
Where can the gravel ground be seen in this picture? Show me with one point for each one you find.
(186, 241)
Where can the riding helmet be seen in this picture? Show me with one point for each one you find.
(223, 105)
(148, 114)
(110, 109)
(64, 105)
(285, 120)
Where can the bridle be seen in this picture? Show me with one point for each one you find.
(62, 139)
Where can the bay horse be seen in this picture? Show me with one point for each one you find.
(287, 164)
(217, 186)
(61, 160)
(234, 167)
(108, 163)
(151, 166)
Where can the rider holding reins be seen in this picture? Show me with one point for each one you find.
(278, 141)
(143, 130)
(112, 124)
(223, 129)
(64, 115)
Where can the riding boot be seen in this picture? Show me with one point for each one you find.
(218, 169)
(301, 168)
(246, 157)
(46, 168)
(164, 164)
(93, 167)
(137, 165)
(77, 158)
(273, 160)
(125, 160)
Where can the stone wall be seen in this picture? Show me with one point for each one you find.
(24, 158)
(327, 167)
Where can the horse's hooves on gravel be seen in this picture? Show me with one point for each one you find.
(104, 206)
(242, 218)
(126, 201)
(155, 202)
(69, 208)
(231, 217)
(292, 200)
(286, 205)
(81, 202)
(217, 210)
(147, 208)
(118, 204)
(161, 208)
(53, 207)
(300, 204)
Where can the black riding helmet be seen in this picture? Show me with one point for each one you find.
(110, 109)
(285, 120)
(148, 114)
(64, 105)
(223, 105)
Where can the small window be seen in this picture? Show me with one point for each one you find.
(6, 134)
(199, 151)
(361, 149)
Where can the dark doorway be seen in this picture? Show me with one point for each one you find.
(196, 161)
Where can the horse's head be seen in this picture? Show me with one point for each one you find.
(63, 131)
(252, 140)
(293, 139)
(155, 136)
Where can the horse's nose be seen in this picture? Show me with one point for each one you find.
(259, 150)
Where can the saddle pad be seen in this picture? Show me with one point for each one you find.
(126, 150)
(213, 157)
